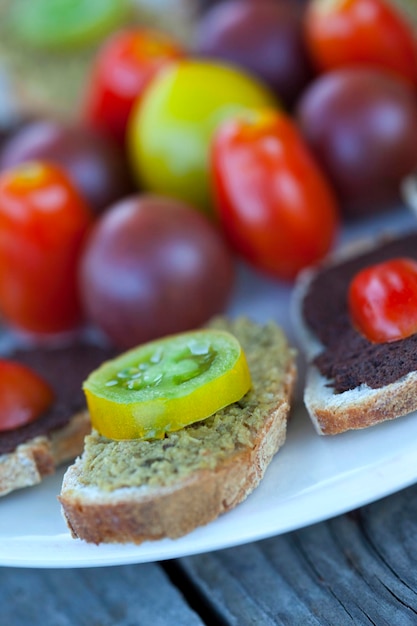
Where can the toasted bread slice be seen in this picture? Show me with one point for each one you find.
(137, 490)
(382, 377)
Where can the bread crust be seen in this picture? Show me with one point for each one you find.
(33, 460)
(359, 408)
(129, 516)
(137, 514)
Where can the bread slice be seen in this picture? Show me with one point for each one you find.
(334, 411)
(32, 460)
(132, 491)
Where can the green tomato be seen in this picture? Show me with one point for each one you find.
(60, 24)
(170, 130)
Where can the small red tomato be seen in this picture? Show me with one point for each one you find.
(43, 221)
(122, 70)
(24, 395)
(374, 32)
(382, 300)
(274, 204)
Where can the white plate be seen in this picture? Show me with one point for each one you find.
(311, 479)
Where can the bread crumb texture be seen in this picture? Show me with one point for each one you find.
(110, 465)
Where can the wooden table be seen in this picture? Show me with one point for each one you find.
(358, 568)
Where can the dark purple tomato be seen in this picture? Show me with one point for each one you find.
(153, 266)
(361, 124)
(264, 37)
(94, 163)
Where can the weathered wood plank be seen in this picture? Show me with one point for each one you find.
(134, 595)
(359, 568)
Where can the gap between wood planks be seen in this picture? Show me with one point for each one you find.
(197, 601)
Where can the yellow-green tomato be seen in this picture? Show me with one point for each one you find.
(170, 130)
(164, 385)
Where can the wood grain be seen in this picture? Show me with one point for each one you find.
(359, 568)
(128, 595)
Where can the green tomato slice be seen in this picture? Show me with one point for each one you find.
(167, 384)
(60, 24)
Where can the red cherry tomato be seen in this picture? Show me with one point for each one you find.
(275, 206)
(122, 70)
(383, 300)
(43, 221)
(24, 395)
(346, 32)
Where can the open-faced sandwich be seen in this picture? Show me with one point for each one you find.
(356, 318)
(184, 430)
(43, 419)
